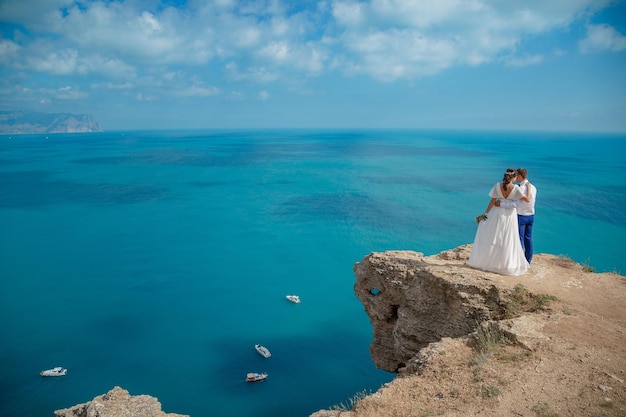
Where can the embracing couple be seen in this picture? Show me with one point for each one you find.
(503, 241)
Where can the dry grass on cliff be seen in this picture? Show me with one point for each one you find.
(523, 301)
(576, 367)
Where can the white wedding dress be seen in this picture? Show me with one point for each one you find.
(497, 247)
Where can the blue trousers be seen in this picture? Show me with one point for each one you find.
(525, 224)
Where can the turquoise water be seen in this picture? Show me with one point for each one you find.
(156, 260)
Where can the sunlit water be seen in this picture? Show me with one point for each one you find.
(156, 260)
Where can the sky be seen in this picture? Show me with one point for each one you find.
(195, 64)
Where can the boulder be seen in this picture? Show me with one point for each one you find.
(117, 403)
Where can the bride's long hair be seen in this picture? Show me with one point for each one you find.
(509, 176)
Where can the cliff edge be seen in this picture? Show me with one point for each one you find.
(465, 342)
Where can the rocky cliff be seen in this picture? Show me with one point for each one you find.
(117, 403)
(22, 122)
(413, 301)
(556, 338)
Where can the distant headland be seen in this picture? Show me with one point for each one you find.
(30, 122)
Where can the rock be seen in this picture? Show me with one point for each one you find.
(524, 330)
(413, 300)
(117, 403)
(332, 413)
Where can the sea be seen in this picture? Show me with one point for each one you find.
(156, 260)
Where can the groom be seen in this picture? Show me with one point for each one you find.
(526, 213)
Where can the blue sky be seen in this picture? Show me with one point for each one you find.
(478, 64)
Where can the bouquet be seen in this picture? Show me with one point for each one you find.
(481, 217)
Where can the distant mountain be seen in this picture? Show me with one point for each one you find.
(29, 122)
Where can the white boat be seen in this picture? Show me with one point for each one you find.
(256, 377)
(263, 351)
(294, 298)
(56, 371)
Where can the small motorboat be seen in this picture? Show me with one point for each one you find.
(263, 351)
(56, 371)
(256, 377)
(294, 298)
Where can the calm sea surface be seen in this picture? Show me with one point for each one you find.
(156, 260)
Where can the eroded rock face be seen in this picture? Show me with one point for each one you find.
(117, 403)
(413, 300)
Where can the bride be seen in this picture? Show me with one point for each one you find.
(497, 247)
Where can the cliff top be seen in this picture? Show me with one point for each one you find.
(552, 341)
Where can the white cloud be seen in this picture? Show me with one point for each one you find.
(349, 14)
(392, 39)
(451, 31)
(236, 95)
(602, 38)
(8, 51)
(399, 54)
(197, 91)
(113, 29)
(140, 96)
(247, 37)
(276, 51)
(33, 14)
(257, 74)
(524, 61)
(69, 93)
(110, 68)
(148, 44)
(149, 24)
(421, 14)
(64, 62)
(264, 95)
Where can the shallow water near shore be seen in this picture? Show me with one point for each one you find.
(156, 260)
